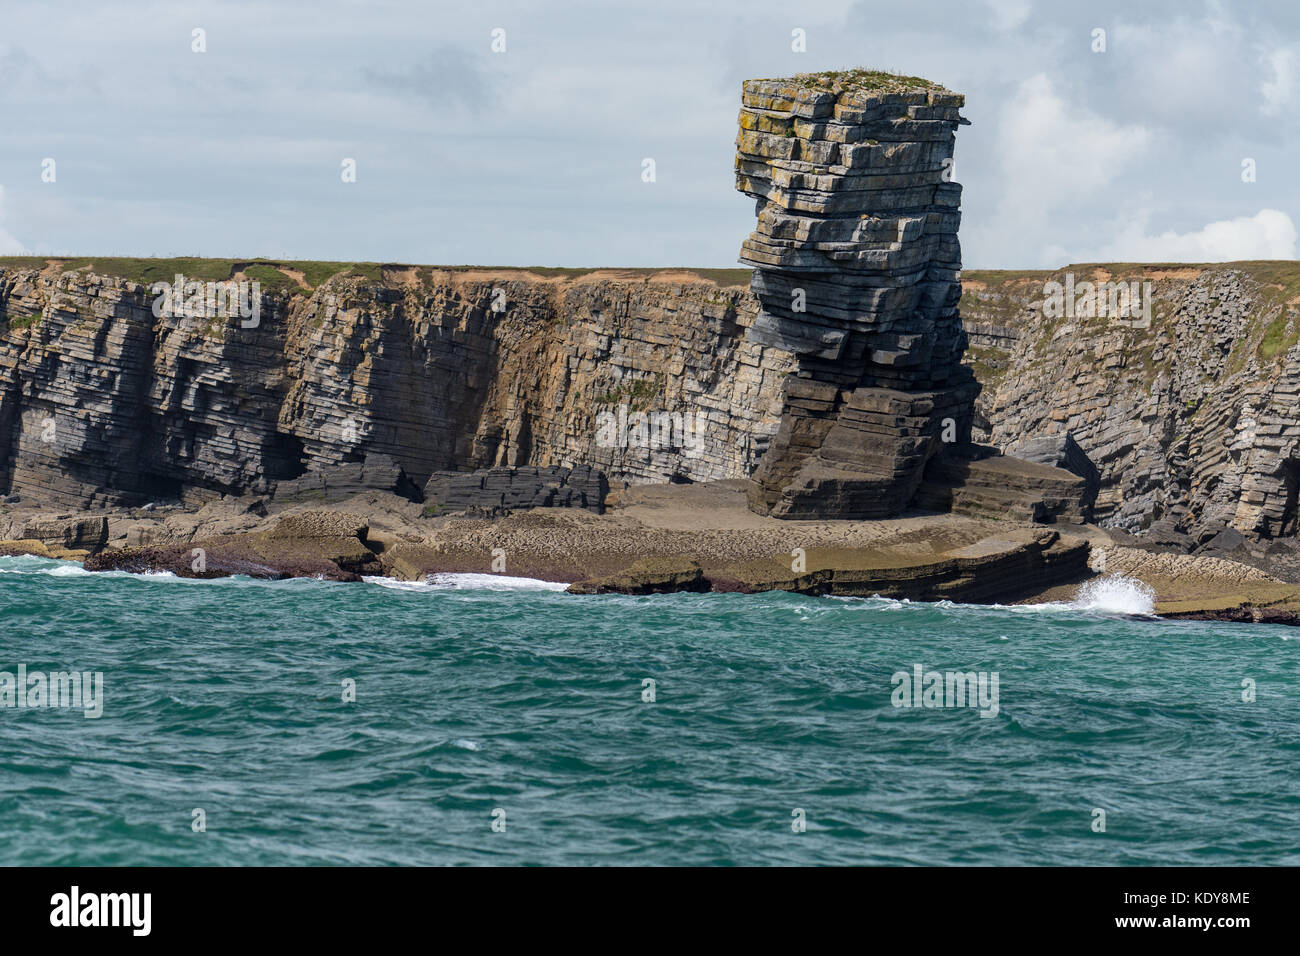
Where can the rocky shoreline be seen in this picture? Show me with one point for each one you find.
(649, 539)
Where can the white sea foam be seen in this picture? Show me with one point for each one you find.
(67, 571)
(878, 603)
(31, 564)
(1116, 594)
(1113, 594)
(468, 582)
(393, 584)
(55, 568)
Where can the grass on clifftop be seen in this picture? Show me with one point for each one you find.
(272, 279)
(1280, 277)
(148, 270)
(874, 81)
(274, 274)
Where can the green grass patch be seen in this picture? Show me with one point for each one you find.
(997, 278)
(149, 271)
(886, 81)
(989, 365)
(1278, 338)
(273, 280)
(722, 277)
(24, 262)
(635, 394)
(317, 272)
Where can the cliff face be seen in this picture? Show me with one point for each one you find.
(1187, 402)
(102, 402)
(1188, 405)
(857, 270)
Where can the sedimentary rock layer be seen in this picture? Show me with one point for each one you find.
(1187, 403)
(497, 490)
(1190, 417)
(857, 272)
(102, 403)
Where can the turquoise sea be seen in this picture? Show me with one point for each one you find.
(525, 708)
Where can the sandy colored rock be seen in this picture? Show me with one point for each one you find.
(658, 575)
(30, 546)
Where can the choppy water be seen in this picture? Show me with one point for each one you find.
(227, 696)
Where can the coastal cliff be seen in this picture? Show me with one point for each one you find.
(377, 377)
(1187, 402)
(103, 403)
(1190, 415)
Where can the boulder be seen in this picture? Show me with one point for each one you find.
(70, 534)
(657, 575)
(496, 491)
(376, 472)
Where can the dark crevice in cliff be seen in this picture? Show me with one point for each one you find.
(1291, 491)
(284, 457)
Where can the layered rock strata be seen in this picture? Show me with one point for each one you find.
(857, 273)
(501, 490)
(978, 482)
(1190, 416)
(987, 570)
(373, 381)
(1187, 407)
(334, 546)
(375, 472)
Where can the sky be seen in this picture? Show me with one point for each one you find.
(1176, 142)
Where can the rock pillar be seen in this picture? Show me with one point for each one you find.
(858, 272)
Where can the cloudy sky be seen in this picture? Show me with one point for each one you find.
(533, 156)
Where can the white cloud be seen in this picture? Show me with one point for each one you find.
(1279, 90)
(1009, 14)
(9, 246)
(1176, 72)
(1056, 161)
(1269, 234)
(1053, 151)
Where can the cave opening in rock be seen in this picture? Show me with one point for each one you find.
(283, 458)
(1291, 488)
(159, 488)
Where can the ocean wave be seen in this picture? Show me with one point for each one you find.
(1116, 594)
(30, 563)
(55, 568)
(1110, 595)
(468, 582)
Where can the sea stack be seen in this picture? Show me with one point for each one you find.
(858, 272)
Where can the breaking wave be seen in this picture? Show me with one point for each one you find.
(1116, 594)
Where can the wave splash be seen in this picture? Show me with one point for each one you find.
(1116, 594)
(467, 582)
